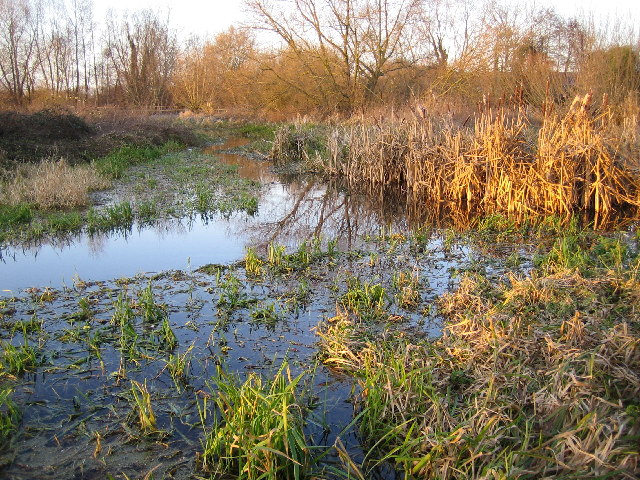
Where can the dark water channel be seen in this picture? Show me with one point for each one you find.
(76, 407)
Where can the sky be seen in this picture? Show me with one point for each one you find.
(201, 17)
(208, 17)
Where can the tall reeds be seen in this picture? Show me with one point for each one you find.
(582, 161)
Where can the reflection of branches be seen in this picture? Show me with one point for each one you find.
(291, 216)
(313, 209)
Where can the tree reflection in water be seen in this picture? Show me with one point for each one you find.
(311, 207)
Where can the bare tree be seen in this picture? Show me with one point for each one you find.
(436, 27)
(18, 32)
(81, 23)
(345, 46)
(143, 53)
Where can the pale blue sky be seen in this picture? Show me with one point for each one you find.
(206, 17)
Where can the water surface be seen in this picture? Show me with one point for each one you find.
(289, 212)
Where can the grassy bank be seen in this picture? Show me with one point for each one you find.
(53, 197)
(52, 134)
(535, 375)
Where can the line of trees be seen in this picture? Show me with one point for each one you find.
(322, 56)
(52, 51)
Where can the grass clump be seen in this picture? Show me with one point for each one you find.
(52, 185)
(343, 339)
(589, 254)
(15, 215)
(258, 433)
(406, 286)
(148, 211)
(178, 366)
(267, 315)
(63, 222)
(114, 165)
(9, 414)
(367, 300)
(232, 293)
(16, 360)
(534, 377)
(150, 310)
(165, 336)
(143, 407)
(253, 263)
(112, 217)
(307, 253)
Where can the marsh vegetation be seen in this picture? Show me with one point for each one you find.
(432, 272)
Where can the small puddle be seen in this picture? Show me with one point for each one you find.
(247, 167)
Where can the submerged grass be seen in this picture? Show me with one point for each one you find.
(536, 376)
(9, 414)
(257, 430)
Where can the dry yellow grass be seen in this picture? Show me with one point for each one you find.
(582, 161)
(52, 184)
(537, 377)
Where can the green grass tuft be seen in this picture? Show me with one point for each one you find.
(258, 433)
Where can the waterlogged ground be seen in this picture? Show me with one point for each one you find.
(191, 209)
(106, 322)
(77, 399)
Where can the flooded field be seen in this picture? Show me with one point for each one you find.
(99, 320)
(288, 212)
(128, 354)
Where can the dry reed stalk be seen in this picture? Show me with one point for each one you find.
(571, 367)
(53, 184)
(577, 162)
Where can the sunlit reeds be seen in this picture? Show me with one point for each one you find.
(582, 161)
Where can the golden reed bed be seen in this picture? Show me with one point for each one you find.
(583, 161)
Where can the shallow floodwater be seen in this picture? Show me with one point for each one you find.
(288, 213)
(77, 403)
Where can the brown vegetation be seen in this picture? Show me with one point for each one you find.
(536, 377)
(61, 134)
(52, 185)
(579, 161)
(324, 57)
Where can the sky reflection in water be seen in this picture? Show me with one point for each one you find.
(288, 214)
